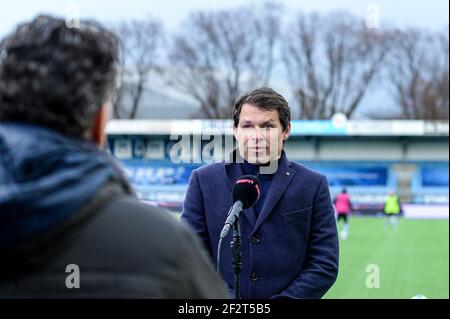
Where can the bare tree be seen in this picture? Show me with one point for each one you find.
(221, 54)
(141, 42)
(420, 74)
(331, 62)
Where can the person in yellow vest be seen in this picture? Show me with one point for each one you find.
(392, 208)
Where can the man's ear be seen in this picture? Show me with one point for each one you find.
(98, 127)
(287, 132)
(235, 132)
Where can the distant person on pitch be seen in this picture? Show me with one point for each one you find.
(392, 208)
(343, 207)
(290, 243)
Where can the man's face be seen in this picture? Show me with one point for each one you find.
(260, 134)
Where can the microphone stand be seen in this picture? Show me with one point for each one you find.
(237, 254)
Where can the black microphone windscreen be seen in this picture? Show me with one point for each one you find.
(247, 190)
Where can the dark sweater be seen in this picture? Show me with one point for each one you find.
(265, 181)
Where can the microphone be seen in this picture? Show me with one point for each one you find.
(246, 192)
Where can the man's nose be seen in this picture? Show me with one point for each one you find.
(257, 134)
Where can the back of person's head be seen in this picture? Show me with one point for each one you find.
(55, 76)
(55, 83)
(344, 190)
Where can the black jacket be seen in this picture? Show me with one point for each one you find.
(122, 248)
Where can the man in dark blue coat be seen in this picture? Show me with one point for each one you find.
(289, 237)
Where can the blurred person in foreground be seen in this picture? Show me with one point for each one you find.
(343, 207)
(64, 202)
(289, 238)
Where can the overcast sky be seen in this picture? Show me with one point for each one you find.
(429, 14)
(432, 14)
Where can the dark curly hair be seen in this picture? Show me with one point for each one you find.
(56, 76)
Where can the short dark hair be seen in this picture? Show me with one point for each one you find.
(267, 99)
(56, 76)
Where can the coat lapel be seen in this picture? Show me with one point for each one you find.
(280, 182)
(233, 169)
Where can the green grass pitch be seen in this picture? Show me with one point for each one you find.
(412, 260)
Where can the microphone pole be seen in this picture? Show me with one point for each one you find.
(246, 192)
(236, 243)
(237, 254)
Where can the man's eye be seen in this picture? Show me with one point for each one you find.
(246, 126)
